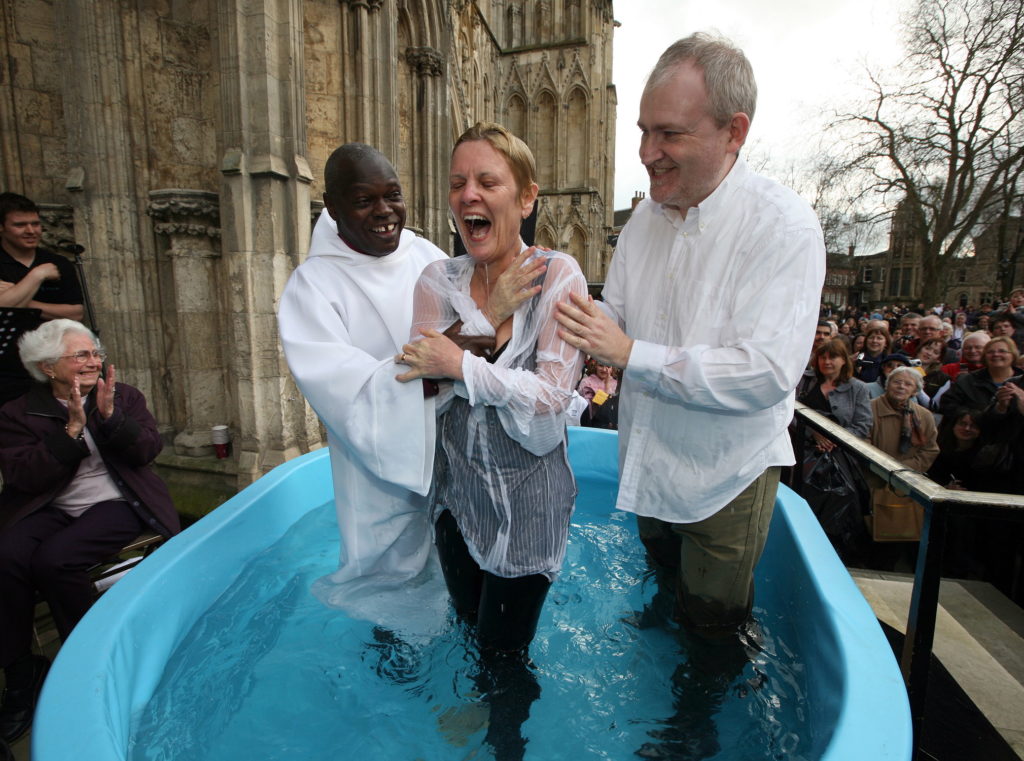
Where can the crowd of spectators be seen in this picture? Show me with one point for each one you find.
(955, 412)
(945, 394)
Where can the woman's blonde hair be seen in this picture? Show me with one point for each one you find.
(1005, 341)
(516, 152)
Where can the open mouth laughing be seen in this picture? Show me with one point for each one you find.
(477, 226)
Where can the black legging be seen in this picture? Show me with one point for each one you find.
(504, 611)
(50, 551)
(505, 614)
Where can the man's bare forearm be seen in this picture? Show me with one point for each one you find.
(59, 311)
(18, 295)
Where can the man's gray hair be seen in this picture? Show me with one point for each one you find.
(46, 344)
(728, 75)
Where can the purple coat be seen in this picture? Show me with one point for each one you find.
(38, 459)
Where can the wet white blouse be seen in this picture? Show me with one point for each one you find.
(531, 404)
(505, 479)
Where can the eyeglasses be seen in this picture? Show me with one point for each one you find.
(81, 357)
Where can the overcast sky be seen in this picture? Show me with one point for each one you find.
(806, 54)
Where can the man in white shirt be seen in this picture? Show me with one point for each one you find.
(709, 308)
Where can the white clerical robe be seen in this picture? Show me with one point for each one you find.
(343, 317)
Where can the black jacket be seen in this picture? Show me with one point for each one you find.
(38, 459)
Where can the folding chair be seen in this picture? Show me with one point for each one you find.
(106, 573)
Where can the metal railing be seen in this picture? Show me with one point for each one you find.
(939, 504)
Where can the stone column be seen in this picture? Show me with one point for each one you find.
(543, 29)
(515, 22)
(11, 174)
(186, 223)
(431, 131)
(264, 221)
(101, 49)
(369, 37)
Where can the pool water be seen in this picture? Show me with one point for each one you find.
(287, 678)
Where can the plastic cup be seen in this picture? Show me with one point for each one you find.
(219, 437)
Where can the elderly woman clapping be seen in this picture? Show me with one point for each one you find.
(75, 453)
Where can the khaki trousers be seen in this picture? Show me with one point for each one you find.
(708, 566)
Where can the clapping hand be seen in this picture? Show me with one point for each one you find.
(105, 393)
(76, 411)
(1006, 395)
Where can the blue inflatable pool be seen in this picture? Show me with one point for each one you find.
(107, 672)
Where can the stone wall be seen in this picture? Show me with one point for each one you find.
(183, 144)
(33, 136)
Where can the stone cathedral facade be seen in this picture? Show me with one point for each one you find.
(182, 142)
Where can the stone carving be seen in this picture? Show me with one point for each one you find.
(426, 61)
(58, 223)
(185, 212)
(370, 5)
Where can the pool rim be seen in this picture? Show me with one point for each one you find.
(81, 696)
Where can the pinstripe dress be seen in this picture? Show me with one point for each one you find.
(512, 506)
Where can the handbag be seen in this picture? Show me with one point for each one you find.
(895, 518)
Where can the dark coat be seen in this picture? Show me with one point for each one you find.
(1005, 430)
(868, 367)
(973, 390)
(38, 458)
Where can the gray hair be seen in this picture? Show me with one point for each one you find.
(46, 344)
(978, 336)
(908, 371)
(728, 75)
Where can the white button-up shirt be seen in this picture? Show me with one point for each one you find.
(722, 307)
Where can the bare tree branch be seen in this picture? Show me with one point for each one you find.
(945, 138)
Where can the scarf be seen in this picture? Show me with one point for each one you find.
(909, 433)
